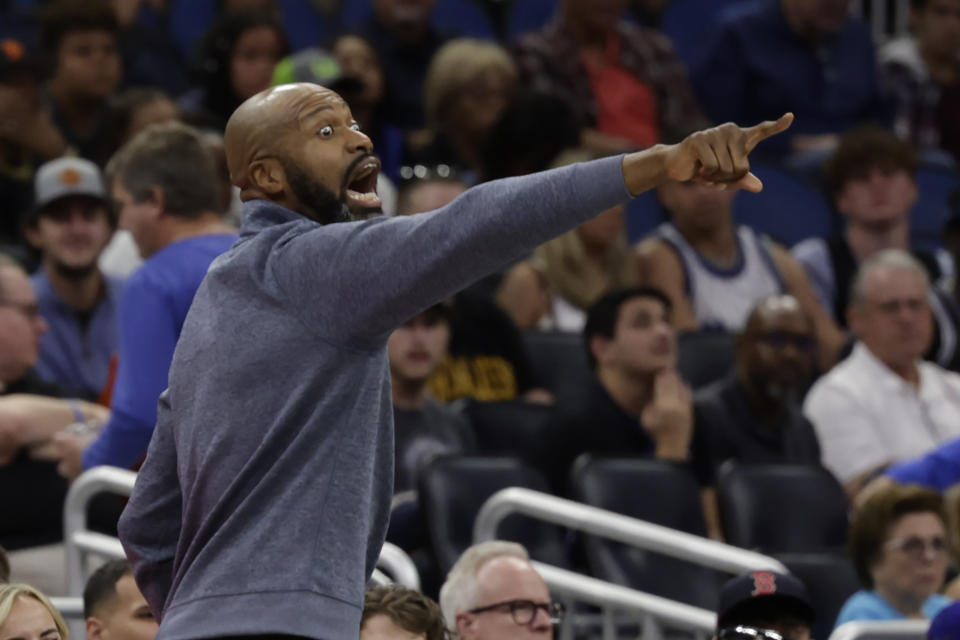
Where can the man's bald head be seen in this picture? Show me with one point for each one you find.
(258, 127)
(769, 309)
(776, 349)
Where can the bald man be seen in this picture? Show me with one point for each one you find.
(262, 505)
(754, 414)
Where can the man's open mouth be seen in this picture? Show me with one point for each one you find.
(361, 188)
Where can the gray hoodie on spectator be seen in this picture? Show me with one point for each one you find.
(262, 505)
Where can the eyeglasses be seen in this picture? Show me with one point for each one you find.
(741, 632)
(524, 611)
(917, 547)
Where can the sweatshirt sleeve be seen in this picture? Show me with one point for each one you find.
(385, 270)
(148, 335)
(149, 527)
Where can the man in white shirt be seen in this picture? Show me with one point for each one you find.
(883, 403)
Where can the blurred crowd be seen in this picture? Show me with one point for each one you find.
(821, 333)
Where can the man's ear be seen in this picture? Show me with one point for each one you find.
(268, 176)
(465, 624)
(32, 234)
(599, 347)
(94, 628)
(158, 198)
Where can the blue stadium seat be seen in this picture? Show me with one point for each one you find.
(559, 361)
(705, 356)
(303, 24)
(644, 214)
(687, 23)
(355, 12)
(830, 579)
(524, 16)
(929, 215)
(189, 20)
(788, 210)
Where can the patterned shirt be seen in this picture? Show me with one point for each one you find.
(549, 61)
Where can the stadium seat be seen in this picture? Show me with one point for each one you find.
(524, 16)
(929, 216)
(453, 489)
(788, 210)
(830, 579)
(687, 23)
(704, 356)
(782, 508)
(512, 427)
(644, 214)
(559, 360)
(655, 491)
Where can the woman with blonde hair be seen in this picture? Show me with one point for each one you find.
(27, 614)
(468, 85)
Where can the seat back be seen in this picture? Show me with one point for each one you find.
(788, 210)
(782, 508)
(453, 489)
(830, 579)
(656, 491)
(931, 211)
(704, 356)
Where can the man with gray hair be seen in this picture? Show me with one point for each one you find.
(494, 593)
(883, 403)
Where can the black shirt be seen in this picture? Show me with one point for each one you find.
(423, 435)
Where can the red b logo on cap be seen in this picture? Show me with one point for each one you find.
(764, 583)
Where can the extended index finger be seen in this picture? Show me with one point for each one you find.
(760, 132)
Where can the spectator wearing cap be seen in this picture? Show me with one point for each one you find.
(81, 37)
(764, 601)
(871, 179)
(812, 57)
(922, 71)
(164, 183)
(946, 624)
(423, 428)
(625, 83)
(70, 225)
(898, 542)
(28, 136)
(754, 415)
(884, 403)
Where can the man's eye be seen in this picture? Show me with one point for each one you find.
(326, 131)
(355, 127)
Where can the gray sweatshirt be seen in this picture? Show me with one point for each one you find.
(263, 501)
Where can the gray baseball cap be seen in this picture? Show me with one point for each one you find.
(67, 177)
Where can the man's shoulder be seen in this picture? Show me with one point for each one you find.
(849, 378)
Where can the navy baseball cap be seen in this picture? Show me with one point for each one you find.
(946, 624)
(763, 593)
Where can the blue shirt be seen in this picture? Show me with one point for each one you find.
(76, 354)
(939, 469)
(152, 310)
(755, 67)
(868, 605)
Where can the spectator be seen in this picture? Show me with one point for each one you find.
(165, 185)
(237, 59)
(764, 600)
(487, 360)
(21, 328)
(467, 86)
(81, 37)
(754, 415)
(423, 428)
(28, 136)
(27, 613)
(396, 613)
(883, 403)
(715, 271)
(625, 83)
(150, 56)
(133, 110)
(871, 181)
(494, 593)
(824, 62)
(898, 542)
(946, 624)
(565, 276)
(922, 71)
(114, 607)
(406, 41)
(71, 225)
(358, 59)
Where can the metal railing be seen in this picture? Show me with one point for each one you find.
(606, 524)
(79, 542)
(882, 630)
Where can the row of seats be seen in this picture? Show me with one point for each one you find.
(797, 514)
(789, 210)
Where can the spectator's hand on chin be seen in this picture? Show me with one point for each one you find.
(68, 448)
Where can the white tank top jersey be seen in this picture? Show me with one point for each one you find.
(722, 297)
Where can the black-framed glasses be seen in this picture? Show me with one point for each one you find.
(525, 611)
(743, 632)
